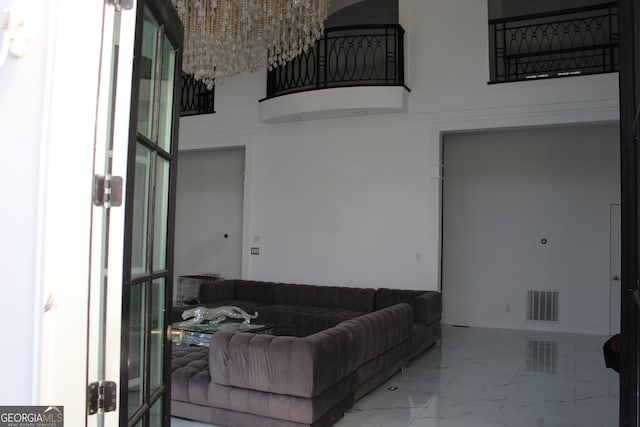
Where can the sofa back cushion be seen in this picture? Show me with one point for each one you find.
(250, 290)
(427, 308)
(216, 290)
(426, 305)
(384, 328)
(388, 297)
(307, 366)
(303, 367)
(356, 299)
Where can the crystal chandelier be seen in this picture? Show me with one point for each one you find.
(227, 37)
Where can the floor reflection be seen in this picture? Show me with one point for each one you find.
(496, 377)
(542, 356)
(481, 377)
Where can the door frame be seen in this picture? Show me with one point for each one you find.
(186, 223)
(615, 238)
(63, 219)
(105, 296)
(629, 93)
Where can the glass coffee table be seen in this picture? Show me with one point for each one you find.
(200, 334)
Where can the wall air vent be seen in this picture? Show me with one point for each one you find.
(542, 306)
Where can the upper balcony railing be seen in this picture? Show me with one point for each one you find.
(195, 97)
(358, 55)
(556, 44)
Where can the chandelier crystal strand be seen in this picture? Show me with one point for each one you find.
(228, 37)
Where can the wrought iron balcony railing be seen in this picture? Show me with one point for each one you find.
(556, 44)
(195, 98)
(358, 55)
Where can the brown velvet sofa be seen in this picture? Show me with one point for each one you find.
(319, 362)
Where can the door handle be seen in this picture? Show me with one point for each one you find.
(179, 333)
(616, 278)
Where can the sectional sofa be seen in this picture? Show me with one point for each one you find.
(331, 345)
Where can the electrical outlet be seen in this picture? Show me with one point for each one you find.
(255, 251)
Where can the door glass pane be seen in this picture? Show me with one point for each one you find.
(141, 211)
(137, 332)
(161, 215)
(156, 345)
(147, 74)
(166, 94)
(155, 415)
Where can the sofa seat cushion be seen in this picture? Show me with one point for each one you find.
(192, 383)
(189, 371)
(305, 317)
(282, 406)
(227, 417)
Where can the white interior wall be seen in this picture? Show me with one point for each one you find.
(356, 200)
(506, 191)
(48, 137)
(343, 205)
(209, 207)
(20, 126)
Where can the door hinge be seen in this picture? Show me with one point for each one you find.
(107, 191)
(121, 4)
(101, 397)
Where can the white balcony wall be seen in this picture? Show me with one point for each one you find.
(356, 201)
(505, 8)
(448, 63)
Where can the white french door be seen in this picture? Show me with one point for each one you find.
(108, 222)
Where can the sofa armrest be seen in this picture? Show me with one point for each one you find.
(427, 308)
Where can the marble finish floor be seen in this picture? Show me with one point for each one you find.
(482, 377)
